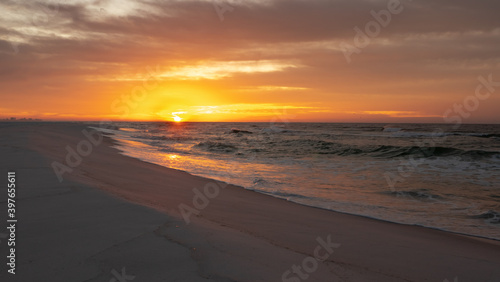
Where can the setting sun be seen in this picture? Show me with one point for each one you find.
(176, 117)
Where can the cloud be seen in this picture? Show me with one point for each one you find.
(432, 49)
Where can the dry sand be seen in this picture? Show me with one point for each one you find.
(113, 212)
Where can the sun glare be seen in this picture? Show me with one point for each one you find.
(176, 116)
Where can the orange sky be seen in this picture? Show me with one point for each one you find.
(253, 60)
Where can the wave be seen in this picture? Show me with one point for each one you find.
(397, 151)
(387, 151)
(416, 134)
(486, 135)
(390, 128)
(415, 131)
(162, 138)
(239, 131)
(311, 146)
(418, 194)
(260, 181)
(491, 216)
(217, 147)
(150, 137)
(321, 147)
(275, 129)
(285, 195)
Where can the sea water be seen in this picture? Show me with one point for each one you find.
(434, 175)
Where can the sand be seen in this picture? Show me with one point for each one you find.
(114, 215)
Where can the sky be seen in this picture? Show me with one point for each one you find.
(274, 60)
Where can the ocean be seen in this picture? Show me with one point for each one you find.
(433, 175)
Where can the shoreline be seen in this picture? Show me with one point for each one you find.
(118, 144)
(316, 207)
(244, 235)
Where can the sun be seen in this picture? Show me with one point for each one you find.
(176, 117)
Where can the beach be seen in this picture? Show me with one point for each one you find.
(113, 216)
